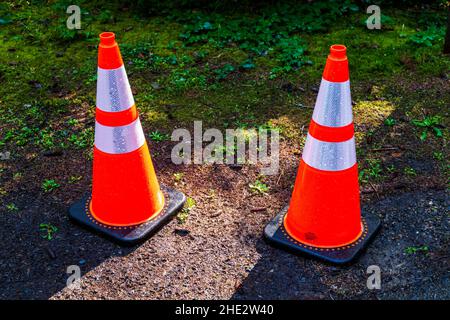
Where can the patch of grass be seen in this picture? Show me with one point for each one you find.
(49, 185)
(47, 230)
(258, 187)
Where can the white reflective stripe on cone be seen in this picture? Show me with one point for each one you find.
(334, 104)
(329, 156)
(120, 139)
(113, 90)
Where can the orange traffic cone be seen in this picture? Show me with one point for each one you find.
(127, 203)
(324, 216)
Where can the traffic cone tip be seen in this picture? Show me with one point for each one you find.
(109, 56)
(107, 38)
(336, 68)
(338, 51)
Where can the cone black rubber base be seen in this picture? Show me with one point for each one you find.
(277, 234)
(174, 201)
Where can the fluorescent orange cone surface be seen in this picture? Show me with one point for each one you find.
(324, 210)
(125, 190)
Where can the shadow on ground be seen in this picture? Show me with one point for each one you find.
(32, 267)
(410, 220)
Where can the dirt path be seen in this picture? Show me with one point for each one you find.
(219, 253)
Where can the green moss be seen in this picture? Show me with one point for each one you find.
(372, 113)
(48, 74)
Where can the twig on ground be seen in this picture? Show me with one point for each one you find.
(279, 177)
(375, 190)
(258, 209)
(385, 149)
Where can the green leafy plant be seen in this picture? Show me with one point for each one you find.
(184, 214)
(389, 122)
(17, 175)
(49, 185)
(438, 155)
(413, 250)
(25, 135)
(223, 72)
(248, 64)
(72, 122)
(83, 139)
(73, 179)
(373, 170)
(429, 123)
(138, 55)
(390, 168)
(410, 171)
(159, 136)
(46, 139)
(12, 207)
(273, 34)
(178, 176)
(258, 187)
(187, 78)
(427, 37)
(290, 56)
(47, 230)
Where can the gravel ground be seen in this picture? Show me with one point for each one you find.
(219, 253)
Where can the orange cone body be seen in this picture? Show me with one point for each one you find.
(324, 210)
(125, 190)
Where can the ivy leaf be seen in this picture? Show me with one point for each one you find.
(248, 64)
(423, 136)
(437, 131)
(4, 21)
(207, 26)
